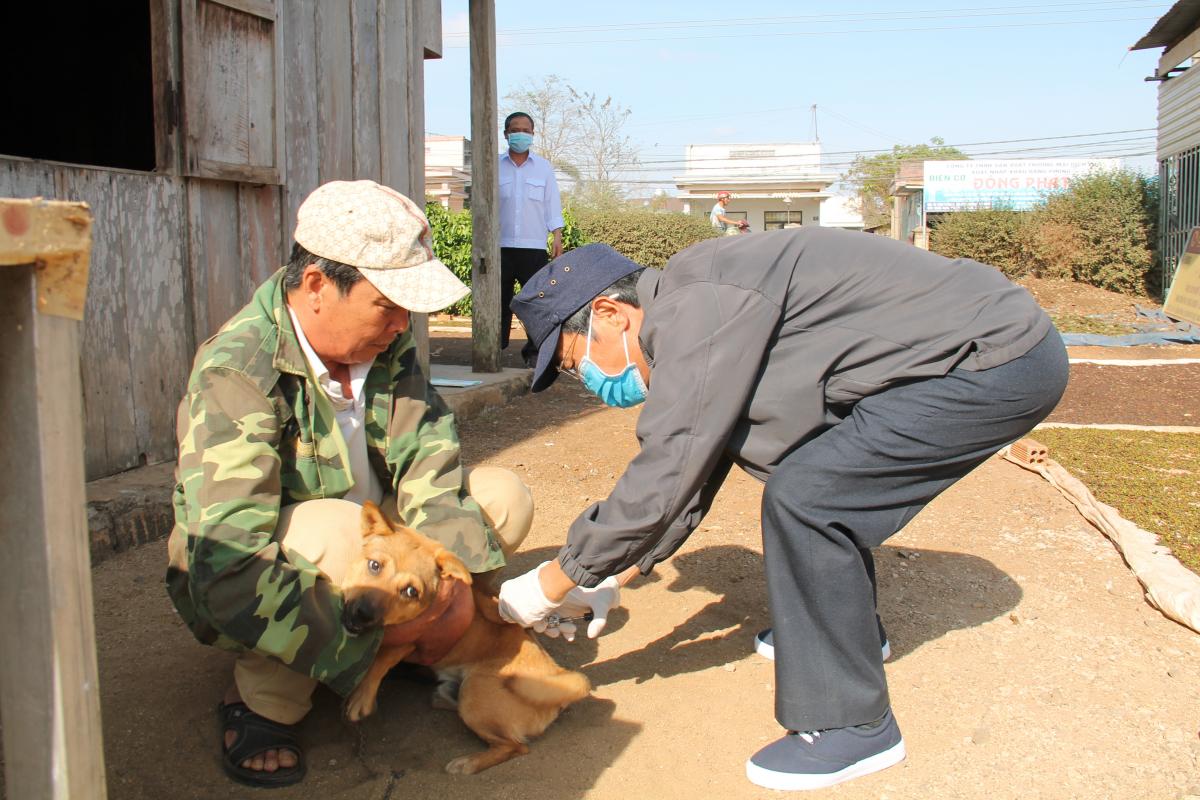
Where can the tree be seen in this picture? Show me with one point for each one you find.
(580, 134)
(603, 152)
(870, 176)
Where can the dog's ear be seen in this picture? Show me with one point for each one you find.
(451, 566)
(374, 523)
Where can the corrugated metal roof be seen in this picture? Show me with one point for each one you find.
(1182, 19)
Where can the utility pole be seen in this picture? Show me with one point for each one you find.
(816, 136)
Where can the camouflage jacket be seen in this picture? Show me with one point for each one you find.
(256, 431)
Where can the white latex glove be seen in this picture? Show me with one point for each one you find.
(522, 600)
(579, 601)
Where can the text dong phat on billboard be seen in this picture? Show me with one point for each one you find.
(1002, 183)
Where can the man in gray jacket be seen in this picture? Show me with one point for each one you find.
(856, 376)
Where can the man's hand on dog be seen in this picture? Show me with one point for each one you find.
(523, 601)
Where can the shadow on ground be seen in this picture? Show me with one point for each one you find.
(923, 595)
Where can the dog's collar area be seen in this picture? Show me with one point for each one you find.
(443, 630)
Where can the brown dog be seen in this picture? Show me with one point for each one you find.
(509, 689)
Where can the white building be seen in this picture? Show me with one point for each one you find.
(1178, 78)
(448, 170)
(773, 185)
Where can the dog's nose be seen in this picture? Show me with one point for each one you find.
(357, 616)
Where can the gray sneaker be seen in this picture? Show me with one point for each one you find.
(764, 642)
(817, 759)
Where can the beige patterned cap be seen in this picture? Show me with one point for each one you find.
(385, 235)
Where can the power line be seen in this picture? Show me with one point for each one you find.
(1064, 151)
(847, 16)
(542, 42)
(889, 150)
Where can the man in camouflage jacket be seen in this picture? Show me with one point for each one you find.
(258, 432)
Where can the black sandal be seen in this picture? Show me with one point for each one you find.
(255, 735)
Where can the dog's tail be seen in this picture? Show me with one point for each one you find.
(559, 689)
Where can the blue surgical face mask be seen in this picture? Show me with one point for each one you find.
(519, 142)
(622, 390)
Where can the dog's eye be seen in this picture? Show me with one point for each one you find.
(411, 593)
(374, 566)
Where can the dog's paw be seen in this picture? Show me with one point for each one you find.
(463, 765)
(360, 706)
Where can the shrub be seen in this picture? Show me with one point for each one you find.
(992, 236)
(452, 246)
(647, 237)
(1100, 232)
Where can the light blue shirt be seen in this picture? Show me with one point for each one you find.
(529, 203)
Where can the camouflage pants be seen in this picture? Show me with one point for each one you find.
(327, 533)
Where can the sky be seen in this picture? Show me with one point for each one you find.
(979, 74)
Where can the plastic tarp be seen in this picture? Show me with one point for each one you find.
(1158, 329)
(1169, 586)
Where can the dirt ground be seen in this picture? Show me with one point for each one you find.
(1026, 662)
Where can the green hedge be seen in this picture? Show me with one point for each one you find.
(994, 236)
(1100, 231)
(647, 237)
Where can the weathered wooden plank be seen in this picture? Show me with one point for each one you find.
(335, 92)
(20, 178)
(110, 439)
(258, 212)
(428, 34)
(365, 66)
(165, 68)
(215, 84)
(230, 93)
(260, 92)
(259, 8)
(485, 192)
(49, 687)
(393, 93)
(245, 173)
(219, 284)
(415, 139)
(57, 237)
(158, 320)
(300, 104)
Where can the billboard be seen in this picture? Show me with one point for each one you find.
(1002, 183)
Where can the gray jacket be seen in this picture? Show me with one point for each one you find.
(759, 343)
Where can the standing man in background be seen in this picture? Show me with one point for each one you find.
(529, 209)
(721, 223)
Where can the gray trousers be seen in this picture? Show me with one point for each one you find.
(848, 490)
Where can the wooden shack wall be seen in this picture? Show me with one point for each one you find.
(175, 256)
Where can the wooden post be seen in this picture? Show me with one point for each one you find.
(49, 691)
(485, 191)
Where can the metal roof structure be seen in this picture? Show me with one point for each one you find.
(1172, 27)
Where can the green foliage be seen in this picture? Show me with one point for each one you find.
(647, 237)
(870, 176)
(992, 236)
(1100, 232)
(452, 244)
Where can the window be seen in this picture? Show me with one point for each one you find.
(774, 220)
(85, 93)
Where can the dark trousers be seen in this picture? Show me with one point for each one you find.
(517, 264)
(851, 488)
